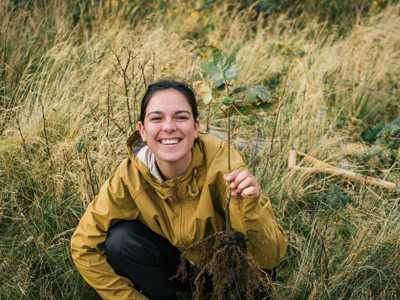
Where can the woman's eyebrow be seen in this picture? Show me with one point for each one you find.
(182, 111)
(158, 112)
(155, 112)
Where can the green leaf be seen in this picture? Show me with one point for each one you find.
(245, 110)
(230, 67)
(211, 68)
(220, 68)
(228, 101)
(258, 93)
(265, 106)
(238, 89)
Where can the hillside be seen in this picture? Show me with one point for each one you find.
(72, 76)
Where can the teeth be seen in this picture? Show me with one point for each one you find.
(169, 141)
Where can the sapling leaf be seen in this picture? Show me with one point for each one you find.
(238, 89)
(265, 106)
(230, 67)
(218, 57)
(212, 69)
(220, 88)
(245, 110)
(220, 69)
(228, 101)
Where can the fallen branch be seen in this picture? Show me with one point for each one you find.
(323, 167)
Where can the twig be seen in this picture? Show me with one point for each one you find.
(90, 174)
(275, 126)
(135, 92)
(46, 137)
(273, 137)
(142, 69)
(110, 116)
(118, 126)
(124, 73)
(325, 257)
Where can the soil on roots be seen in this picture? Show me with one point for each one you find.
(225, 271)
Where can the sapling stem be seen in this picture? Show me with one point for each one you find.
(208, 117)
(228, 196)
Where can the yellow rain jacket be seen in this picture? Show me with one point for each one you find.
(184, 210)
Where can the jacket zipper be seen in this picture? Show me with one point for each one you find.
(181, 223)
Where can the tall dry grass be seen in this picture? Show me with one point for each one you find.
(65, 118)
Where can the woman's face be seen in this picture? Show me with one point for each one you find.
(169, 128)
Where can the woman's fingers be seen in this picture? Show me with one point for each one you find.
(246, 182)
(235, 177)
(242, 183)
(240, 177)
(250, 191)
(231, 176)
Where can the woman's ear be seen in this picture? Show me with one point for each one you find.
(142, 131)
(197, 128)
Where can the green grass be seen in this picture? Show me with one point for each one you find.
(64, 122)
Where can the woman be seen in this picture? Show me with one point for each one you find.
(169, 193)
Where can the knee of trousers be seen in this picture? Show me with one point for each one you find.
(129, 241)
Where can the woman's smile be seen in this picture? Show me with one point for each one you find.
(170, 141)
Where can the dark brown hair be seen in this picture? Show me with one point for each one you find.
(165, 84)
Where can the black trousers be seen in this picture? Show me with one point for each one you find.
(147, 259)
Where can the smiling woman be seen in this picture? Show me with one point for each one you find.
(166, 196)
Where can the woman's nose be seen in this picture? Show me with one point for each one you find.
(169, 125)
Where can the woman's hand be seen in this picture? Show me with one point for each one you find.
(243, 183)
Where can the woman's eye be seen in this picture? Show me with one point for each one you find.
(182, 118)
(155, 119)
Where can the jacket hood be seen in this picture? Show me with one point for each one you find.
(135, 143)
